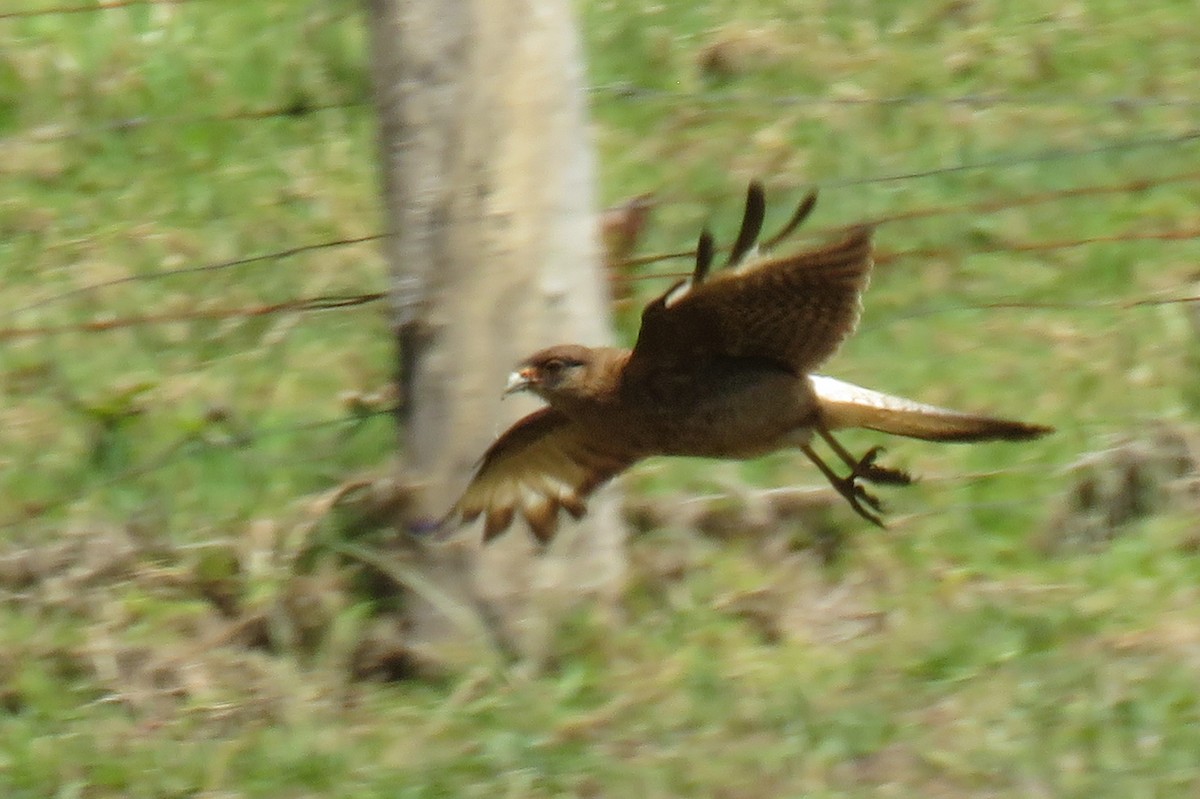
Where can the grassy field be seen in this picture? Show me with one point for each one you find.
(1029, 624)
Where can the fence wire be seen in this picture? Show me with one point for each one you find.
(91, 8)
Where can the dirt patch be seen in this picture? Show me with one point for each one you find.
(1138, 477)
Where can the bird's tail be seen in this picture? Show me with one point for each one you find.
(847, 405)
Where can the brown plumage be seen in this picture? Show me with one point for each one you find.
(722, 369)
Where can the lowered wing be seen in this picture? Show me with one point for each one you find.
(543, 463)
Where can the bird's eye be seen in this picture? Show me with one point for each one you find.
(553, 365)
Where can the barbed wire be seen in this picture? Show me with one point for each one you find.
(626, 90)
(333, 302)
(298, 305)
(1025, 159)
(103, 5)
(1029, 305)
(886, 257)
(882, 257)
(301, 107)
(298, 109)
(1135, 185)
(191, 270)
(982, 207)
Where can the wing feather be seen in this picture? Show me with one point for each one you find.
(794, 310)
(543, 463)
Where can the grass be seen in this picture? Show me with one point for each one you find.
(175, 622)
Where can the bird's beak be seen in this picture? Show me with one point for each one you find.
(519, 380)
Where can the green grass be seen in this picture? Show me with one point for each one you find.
(156, 477)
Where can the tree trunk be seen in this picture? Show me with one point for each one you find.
(487, 181)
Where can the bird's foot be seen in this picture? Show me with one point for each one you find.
(882, 475)
(858, 496)
(864, 503)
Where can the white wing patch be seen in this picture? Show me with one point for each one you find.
(748, 261)
(678, 293)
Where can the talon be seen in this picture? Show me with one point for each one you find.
(866, 514)
(868, 460)
(885, 476)
(867, 470)
(864, 468)
(856, 495)
(872, 500)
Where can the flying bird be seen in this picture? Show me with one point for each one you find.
(722, 368)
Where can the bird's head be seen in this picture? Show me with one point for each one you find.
(556, 373)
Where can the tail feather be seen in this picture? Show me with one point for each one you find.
(847, 405)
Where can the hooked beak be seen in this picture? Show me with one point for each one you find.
(519, 380)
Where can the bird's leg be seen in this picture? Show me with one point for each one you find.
(865, 467)
(853, 493)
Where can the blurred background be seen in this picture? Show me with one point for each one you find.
(194, 352)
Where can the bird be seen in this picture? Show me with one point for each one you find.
(723, 367)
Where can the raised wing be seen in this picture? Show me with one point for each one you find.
(542, 463)
(794, 310)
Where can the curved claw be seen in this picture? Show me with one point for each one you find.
(856, 495)
(868, 460)
(866, 514)
(864, 468)
(869, 498)
(867, 470)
